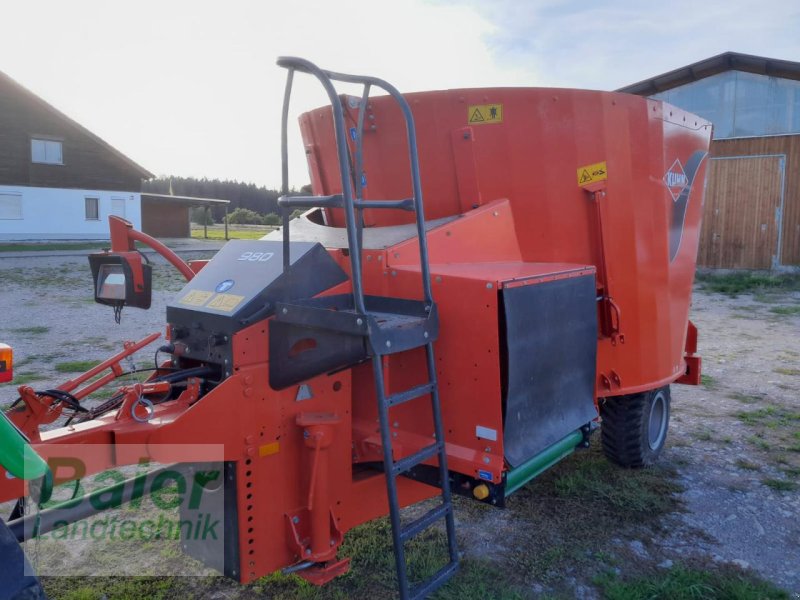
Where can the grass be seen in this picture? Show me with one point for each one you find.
(708, 381)
(785, 310)
(771, 417)
(780, 485)
(704, 435)
(775, 428)
(745, 282)
(167, 278)
(33, 330)
(628, 493)
(745, 398)
(569, 513)
(759, 442)
(23, 378)
(235, 232)
(49, 246)
(50, 277)
(682, 583)
(371, 576)
(565, 519)
(786, 371)
(791, 471)
(75, 366)
(747, 465)
(98, 588)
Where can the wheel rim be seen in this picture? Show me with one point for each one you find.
(657, 426)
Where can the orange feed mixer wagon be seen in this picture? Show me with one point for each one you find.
(370, 355)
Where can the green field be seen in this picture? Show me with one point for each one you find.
(235, 232)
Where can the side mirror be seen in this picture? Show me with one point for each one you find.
(121, 279)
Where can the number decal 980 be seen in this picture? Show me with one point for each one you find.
(256, 256)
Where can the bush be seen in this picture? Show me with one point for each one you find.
(272, 219)
(245, 216)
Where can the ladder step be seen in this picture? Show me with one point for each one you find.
(442, 576)
(425, 521)
(406, 204)
(410, 394)
(404, 464)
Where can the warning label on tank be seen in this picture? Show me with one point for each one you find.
(225, 302)
(196, 298)
(592, 173)
(485, 114)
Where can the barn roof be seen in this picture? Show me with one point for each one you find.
(727, 61)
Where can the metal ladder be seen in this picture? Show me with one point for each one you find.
(389, 325)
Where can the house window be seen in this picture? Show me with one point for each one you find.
(10, 206)
(47, 151)
(92, 209)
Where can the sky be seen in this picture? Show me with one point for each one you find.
(191, 88)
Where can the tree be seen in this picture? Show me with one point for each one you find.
(245, 216)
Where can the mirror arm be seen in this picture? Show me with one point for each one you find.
(123, 236)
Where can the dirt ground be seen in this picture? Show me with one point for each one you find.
(732, 457)
(736, 439)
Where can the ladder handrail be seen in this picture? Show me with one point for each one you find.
(292, 63)
(341, 148)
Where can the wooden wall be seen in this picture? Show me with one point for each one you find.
(161, 218)
(739, 228)
(88, 162)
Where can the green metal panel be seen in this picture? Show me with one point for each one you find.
(17, 455)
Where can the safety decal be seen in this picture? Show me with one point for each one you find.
(485, 475)
(225, 302)
(485, 114)
(196, 298)
(592, 173)
(269, 449)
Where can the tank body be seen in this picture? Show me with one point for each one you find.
(595, 178)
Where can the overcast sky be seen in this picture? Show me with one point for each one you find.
(191, 87)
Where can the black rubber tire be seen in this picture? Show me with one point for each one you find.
(634, 428)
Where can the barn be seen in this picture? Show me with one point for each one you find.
(751, 217)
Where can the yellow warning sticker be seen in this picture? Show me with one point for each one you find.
(196, 298)
(592, 173)
(225, 302)
(485, 114)
(269, 449)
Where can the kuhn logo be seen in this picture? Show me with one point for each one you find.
(679, 183)
(676, 180)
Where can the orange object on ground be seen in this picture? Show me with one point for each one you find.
(6, 363)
